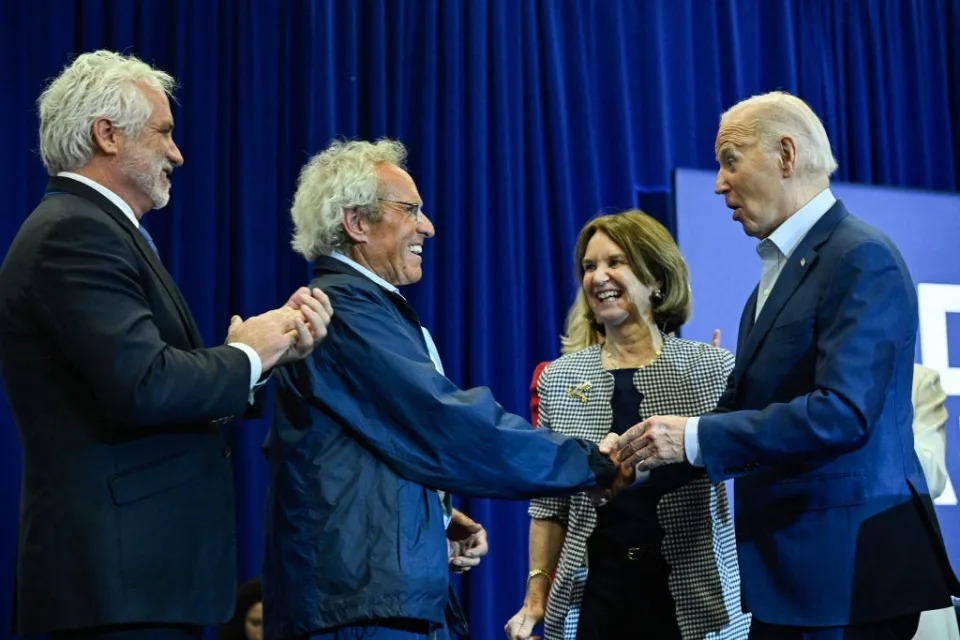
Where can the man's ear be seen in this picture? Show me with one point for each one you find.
(106, 137)
(355, 225)
(788, 156)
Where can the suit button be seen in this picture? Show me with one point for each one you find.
(226, 452)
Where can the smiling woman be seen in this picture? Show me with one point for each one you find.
(662, 552)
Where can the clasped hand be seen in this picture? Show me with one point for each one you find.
(655, 442)
(466, 542)
(286, 334)
(599, 496)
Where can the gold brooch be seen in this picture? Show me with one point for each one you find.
(579, 391)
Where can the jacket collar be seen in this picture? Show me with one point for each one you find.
(326, 265)
(60, 184)
(791, 276)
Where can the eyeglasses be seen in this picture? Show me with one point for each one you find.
(412, 209)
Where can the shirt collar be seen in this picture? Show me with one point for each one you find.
(789, 234)
(366, 272)
(106, 193)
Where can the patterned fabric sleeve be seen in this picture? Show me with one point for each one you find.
(546, 508)
(713, 368)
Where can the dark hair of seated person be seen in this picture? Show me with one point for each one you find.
(247, 595)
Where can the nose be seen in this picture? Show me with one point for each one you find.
(174, 154)
(600, 274)
(425, 227)
(720, 187)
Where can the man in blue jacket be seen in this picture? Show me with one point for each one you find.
(370, 436)
(835, 528)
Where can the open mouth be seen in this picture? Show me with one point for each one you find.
(415, 249)
(609, 294)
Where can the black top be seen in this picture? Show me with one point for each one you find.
(627, 577)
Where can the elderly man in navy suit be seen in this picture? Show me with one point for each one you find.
(835, 528)
(126, 516)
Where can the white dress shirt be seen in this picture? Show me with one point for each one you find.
(774, 251)
(256, 365)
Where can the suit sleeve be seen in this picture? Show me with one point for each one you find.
(89, 288)
(865, 319)
(424, 426)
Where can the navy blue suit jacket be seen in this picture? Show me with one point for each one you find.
(834, 521)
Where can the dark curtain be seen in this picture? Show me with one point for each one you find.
(523, 119)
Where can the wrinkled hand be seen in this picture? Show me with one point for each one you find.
(466, 543)
(316, 311)
(270, 334)
(521, 625)
(655, 442)
(600, 496)
(285, 334)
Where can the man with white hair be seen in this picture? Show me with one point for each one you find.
(368, 428)
(127, 515)
(836, 532)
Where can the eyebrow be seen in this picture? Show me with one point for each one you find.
(612, 256)
(725, 151)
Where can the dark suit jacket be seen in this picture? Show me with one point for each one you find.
(834, 520)
(127, 503)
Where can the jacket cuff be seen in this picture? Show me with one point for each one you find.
(601, 466)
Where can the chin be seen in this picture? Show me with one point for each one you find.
(611, 319)
(412, 277)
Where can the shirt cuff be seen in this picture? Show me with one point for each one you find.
(256, 366)
(641, 476)
(691, 442)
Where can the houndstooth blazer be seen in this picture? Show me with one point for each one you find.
(686, 380)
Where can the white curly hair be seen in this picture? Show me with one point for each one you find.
(101, 84)
(342, 176)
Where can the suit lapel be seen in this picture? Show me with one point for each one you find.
(66, 185)
(794, 272)
(747, 319)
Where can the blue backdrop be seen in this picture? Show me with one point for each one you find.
(523, 119)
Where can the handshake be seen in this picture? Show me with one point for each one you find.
(600, 496)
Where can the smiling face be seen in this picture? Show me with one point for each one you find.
(611, 288)
(750, 178)
(147, 160)
(394, 244)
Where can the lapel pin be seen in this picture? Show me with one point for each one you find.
(803, 262)
(579, 391)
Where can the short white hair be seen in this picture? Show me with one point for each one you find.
(96, 85)
(779, 113)
(342, 176)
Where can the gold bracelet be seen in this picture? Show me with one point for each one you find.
(538, 572)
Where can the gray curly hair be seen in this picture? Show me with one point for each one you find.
(342, 176)
(96, 85)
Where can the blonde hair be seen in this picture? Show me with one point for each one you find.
(342, 176)
(579, 330)
(101, 84)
